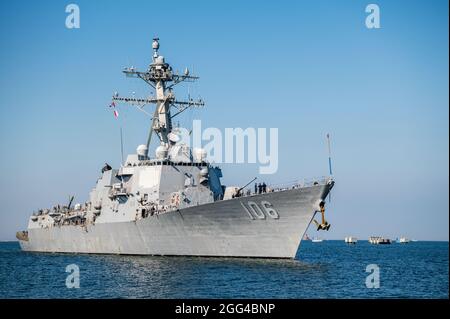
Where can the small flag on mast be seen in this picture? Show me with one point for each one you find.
(113, 105)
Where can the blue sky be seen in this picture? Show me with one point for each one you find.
(306, 67)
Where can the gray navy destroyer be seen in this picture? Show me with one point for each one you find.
(173, 202)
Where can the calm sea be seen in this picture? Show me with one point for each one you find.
(330, 269)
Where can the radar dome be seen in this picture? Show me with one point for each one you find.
(173, 137)
(160, 59)
(161, 152)
(199, 154)
(142, 150)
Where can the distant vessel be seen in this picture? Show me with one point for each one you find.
(351, 240)
(403, 240)
(317, 240)
(377, 240)
(173, 203)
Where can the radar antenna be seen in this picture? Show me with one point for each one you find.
(161, 78)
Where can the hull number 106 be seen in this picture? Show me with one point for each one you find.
(262, 211)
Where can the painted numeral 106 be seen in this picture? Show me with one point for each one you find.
(262, 211)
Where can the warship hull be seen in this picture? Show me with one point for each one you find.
(238, 227)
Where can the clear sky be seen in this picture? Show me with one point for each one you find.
(305, 67)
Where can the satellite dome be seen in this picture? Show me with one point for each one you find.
(173, 137)
(142, 150)
(199, 154)
(161, 152)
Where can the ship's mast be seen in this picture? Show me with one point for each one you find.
(160, 77)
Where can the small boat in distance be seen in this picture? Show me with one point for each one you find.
(378, 240)
(403, 240)
(351, 240)
(317, 240)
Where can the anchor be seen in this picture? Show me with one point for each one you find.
(324, 225)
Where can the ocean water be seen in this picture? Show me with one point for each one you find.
(330, 269)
